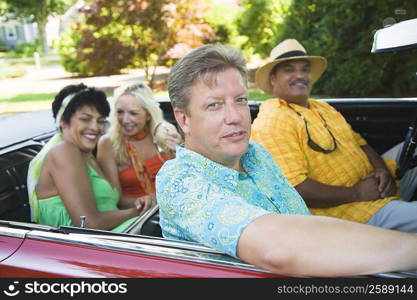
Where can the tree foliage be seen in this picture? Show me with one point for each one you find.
(342, 31)
(36, 11)
(260, 21)
(221, 17)
(138, 33)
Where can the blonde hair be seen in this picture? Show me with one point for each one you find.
(201, 63)
(143, 94)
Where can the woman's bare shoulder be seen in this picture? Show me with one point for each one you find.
(105, 142)
(65, 153)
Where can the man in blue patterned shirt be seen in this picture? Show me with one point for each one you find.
(227, 193)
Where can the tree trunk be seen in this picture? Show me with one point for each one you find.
(41, 21)
(42, 35)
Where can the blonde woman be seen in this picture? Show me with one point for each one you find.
(138, 143)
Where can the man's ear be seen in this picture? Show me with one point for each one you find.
(182, 120)
(272, 79)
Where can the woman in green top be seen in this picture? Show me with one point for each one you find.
(64, 180)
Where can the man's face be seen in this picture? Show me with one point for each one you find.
(292, 81)
(217, 123)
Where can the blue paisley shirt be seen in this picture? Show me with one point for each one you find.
(206, 202)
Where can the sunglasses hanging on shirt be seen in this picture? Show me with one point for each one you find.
(310, 141)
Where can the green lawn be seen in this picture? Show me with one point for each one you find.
(25, 102)
(28, 98)
(258, 96)
(28, 102)
(18, 68)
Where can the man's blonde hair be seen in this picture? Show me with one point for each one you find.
(202, 63)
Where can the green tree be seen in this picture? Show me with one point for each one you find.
(260, 22)
(221, 17)
(342, 31)
(37, 11)
(3, 7)
(139, 33)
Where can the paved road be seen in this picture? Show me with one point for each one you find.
(51, 79)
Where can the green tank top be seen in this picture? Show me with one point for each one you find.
(53, 212)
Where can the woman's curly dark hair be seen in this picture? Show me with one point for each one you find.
(86, 96)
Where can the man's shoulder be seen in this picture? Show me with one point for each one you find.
(177, 168)
(259, 154)
(270, 113)
(322, 104)
(273, 116)
(269, 104)
(171, 166)
(257, 149)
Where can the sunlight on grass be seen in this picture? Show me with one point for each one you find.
(30, 102)
(25, 102)
(28, 98)
(258, 96)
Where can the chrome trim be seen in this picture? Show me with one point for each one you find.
(168, 249)
(13, 232)
(157, 241)
(138, 224)
(19, 145)
(399, 274)
(369, 100)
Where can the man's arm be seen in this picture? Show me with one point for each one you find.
(319, 195)
(321, 246)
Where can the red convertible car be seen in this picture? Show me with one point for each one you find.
(33, 250)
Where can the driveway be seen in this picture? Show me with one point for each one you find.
(51, 79)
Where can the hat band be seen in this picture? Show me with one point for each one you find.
(291, 54)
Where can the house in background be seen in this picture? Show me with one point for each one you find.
(13, 33)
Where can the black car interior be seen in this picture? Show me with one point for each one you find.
(382, 122)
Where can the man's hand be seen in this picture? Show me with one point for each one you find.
(386, 183)
(367, 189)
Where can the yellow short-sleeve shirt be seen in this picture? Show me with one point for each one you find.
(281, 131)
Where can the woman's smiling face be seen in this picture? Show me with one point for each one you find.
(132, 117)
(84, 128)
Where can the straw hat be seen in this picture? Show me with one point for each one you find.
(289, 49)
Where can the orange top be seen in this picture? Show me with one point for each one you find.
(129, 182)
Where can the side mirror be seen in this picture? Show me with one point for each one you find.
(396, 37)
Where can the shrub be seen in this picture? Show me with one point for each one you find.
(3, 46)
(139, 34)
(25, 50)
(86, 54)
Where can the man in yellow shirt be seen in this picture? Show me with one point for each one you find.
(333, 168)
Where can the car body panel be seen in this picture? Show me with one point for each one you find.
(31, 125)
(8, 245)
(80, 255)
